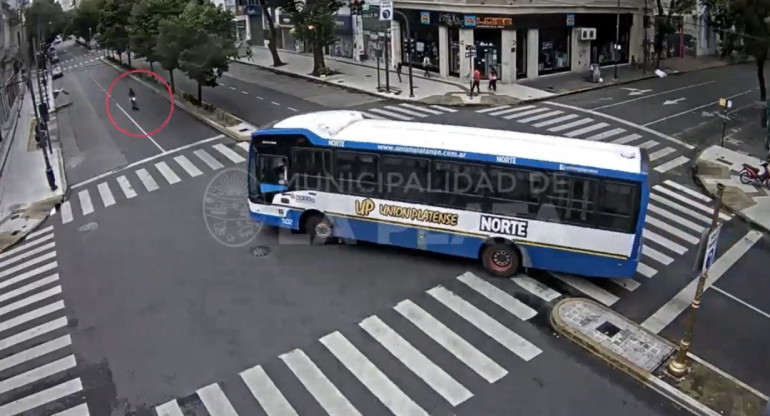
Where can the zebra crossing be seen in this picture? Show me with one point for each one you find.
(448, 340)
(38, 370)
(405, 112)
(552, 120)
(151, 176)
(676, 217)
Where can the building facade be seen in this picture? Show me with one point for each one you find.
(11, 52)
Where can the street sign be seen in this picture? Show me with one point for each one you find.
(711, 249)
(386, 10)
(724, 102)
(470, 54)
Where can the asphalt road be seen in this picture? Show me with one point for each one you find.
(92, 143)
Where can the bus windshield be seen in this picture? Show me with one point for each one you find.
(267, 174)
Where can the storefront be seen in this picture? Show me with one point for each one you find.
(284, 39)
(375, 32)
(343, 45)
(426, 40)
(606, 32)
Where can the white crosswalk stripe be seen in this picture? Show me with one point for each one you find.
(229, 153)
(209, 160)
(147, 180)
(588, 288)
(106, 194)
(167, 173)
(606, 134)
(188, 166)
(421, 109)
(627, 139)
(584, 130)
(390, 114)
(570, 125)
(661, 153)
(406, 111)
(444, 109)
(85, 202)
(491, 109)
(66, 212)
(671, 164)
(32, 358)
(524, 113)
(555, 120)
(263, 389)
(508, 110)
(649, 144)
(539, 116)
(126, 187)
(215, 401)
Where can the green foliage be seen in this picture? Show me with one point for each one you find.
(750, 17)
(44, 19)
(145, 25)
(85, 18)
(113, 24)
(314, 21)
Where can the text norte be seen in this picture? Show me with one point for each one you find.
(494, 21)
(366, 206)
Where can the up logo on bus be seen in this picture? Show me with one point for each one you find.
(364, 207)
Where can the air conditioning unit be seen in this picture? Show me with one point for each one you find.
(587, 34)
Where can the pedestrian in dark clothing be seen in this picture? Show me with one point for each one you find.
(492, 80)
(398, 70)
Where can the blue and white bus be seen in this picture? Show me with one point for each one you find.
(576, 206)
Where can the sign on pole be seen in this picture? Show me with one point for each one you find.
(711, 249)
(386, 10)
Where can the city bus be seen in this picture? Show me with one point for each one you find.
(509, 199)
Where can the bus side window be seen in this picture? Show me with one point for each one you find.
(510, 193)
(457, 185)
(618, 209)
(310, 169)
(405, 179)
(356, 173)
(576, 202)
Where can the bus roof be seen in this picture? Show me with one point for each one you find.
(351, 126)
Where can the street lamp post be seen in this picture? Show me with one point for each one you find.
(678, 366)
(617, 38)
(38, 136)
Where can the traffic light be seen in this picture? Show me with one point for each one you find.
(409, 45)
(356, 7)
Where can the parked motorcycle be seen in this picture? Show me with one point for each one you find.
(750, 175)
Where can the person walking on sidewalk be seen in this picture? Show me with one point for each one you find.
(248, 53)
(398, 70)
(492, 80)
(476, 81)
(425, 65)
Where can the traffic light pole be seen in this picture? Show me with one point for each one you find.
(408, 52)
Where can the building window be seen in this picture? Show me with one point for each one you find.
(554, 51)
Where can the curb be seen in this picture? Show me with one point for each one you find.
(646, 378)
(696, 178)
(178, 103)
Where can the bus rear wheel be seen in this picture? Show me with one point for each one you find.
(319, 229)
(502, 260)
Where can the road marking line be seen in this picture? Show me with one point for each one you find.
(80, 410)
(514, 306)
(233, 88)
(215, 401)
(106, 194)
(524, 113)
(665, 242)
(37, 297)
(32, 235)
(453, 343)
(665, 201)
(209, 160)
(188, 166)
(31, 333)
(31, 315)
(540, 116)
(371, 377)
(494, 329)
(672, 230)
(649, 144)
(652, 95)
(536, 288)
(143, 161)
(689, 191)
(406, 111)
(126, 187)
(606, 134)
(85, 202)
(170, 408)
(489, 110)
(274, 103)
(244, 146)
(37, 374)
(671, 164)
(42, 397)
(681, 301)
(588, 288)
(390, 114)
(28, 288)
(438, 379)
(585, 130)
(11, 270)
(661, 153)
(628, 284)
(35, 352)
(508, 110)
(627, 123)
(444, 109)
(690, 202)
(229, 153)
(259, 98)
(571, 125)
(555, 120)
(267, 394)
(28, 253)
(244, 92)
(66, 212)
(423, 109)
(26, 275)
(627, 139)
(695, 109)
(372, 116)
(677, 219)
(656, 255)
(292, 109)
(167, 173)
(147, 180)
(319, 386)
(742, 302)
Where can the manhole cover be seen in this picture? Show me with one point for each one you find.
(608, 329)
(91, 226)
(260, 251)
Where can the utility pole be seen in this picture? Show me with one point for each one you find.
(617, 38)
(38, 136)
(409, 51)
(645, 24)
(679, 365)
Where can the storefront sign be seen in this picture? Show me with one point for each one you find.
(487, 22)
(285, 21)
(425, 18)
(449, 19)
(570, 20)
(343, 25)
(470, 21)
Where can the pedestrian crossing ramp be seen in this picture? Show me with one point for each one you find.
(561, 122)
(38, 370)
(405, 112)
(148, 177)
(425, 356)
(676, 218)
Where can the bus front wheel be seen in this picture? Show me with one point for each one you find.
(502, 260)
(319, 229)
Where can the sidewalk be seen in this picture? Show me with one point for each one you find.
(721, 165)
(704, 390)
(25, 198)
(362, 77)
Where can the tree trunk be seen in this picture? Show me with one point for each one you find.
(128, 53)
(761, 77)
(151, 68)
(272, 35)
(318, 57)
(200, 94)
(171, 78)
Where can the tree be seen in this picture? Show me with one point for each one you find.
(44, 19)
(171, 42)
(113, 26)
(720, 17)
(751, 22)
(271, 45)
(85, 19)
(665, 25)
(145, 25)
(314, 21)
(208, 43)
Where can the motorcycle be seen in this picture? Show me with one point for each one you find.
(750, 175)
(133, 103)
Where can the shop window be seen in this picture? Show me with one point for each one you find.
(554, 51)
